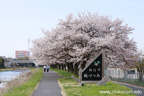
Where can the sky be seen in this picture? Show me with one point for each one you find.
(23, 20)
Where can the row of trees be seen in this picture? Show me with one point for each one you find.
(77, 40)
(2, 62)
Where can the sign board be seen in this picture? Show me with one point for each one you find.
(94, 71)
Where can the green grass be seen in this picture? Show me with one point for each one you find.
(62, 73)
(27, 88)
(71, 87)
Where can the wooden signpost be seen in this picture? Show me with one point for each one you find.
(94, 71)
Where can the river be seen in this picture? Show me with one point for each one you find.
(7, 76)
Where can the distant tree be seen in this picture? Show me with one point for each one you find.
(2, 62)
(140, 64)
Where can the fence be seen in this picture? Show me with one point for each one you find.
(131, 76)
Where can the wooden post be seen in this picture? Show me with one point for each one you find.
(80, 77)
(103, 63)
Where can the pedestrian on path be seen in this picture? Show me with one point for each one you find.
(48, 68)
(44, 68)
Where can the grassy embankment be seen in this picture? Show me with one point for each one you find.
(71, 87)
(5, 69)
(26, 89)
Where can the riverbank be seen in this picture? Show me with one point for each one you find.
(10, 69)
(5, 69)
(25, 87)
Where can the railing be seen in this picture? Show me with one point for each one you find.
(127, 77)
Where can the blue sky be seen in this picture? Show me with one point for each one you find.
(21, 20)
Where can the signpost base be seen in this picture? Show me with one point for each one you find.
(104, 80)
(75, 78)
(80, 77)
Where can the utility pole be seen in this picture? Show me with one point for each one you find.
(29, 47)
(28, 44)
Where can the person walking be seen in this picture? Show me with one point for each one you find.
(44, 68)
(48, 68)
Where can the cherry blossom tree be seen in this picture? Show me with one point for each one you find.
(77, 40)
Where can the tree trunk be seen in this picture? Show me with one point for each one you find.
(140, 76)
(68, 67)
(125, 74)
(83, 65)
(71, 67)
(59, 66)
(55, 66)
(76, 69)
(62, 66)
(65, 67)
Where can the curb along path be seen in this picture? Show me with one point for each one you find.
(139, 90)
(48, 86)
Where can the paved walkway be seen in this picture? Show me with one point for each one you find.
(139, 91)
(48, 86)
